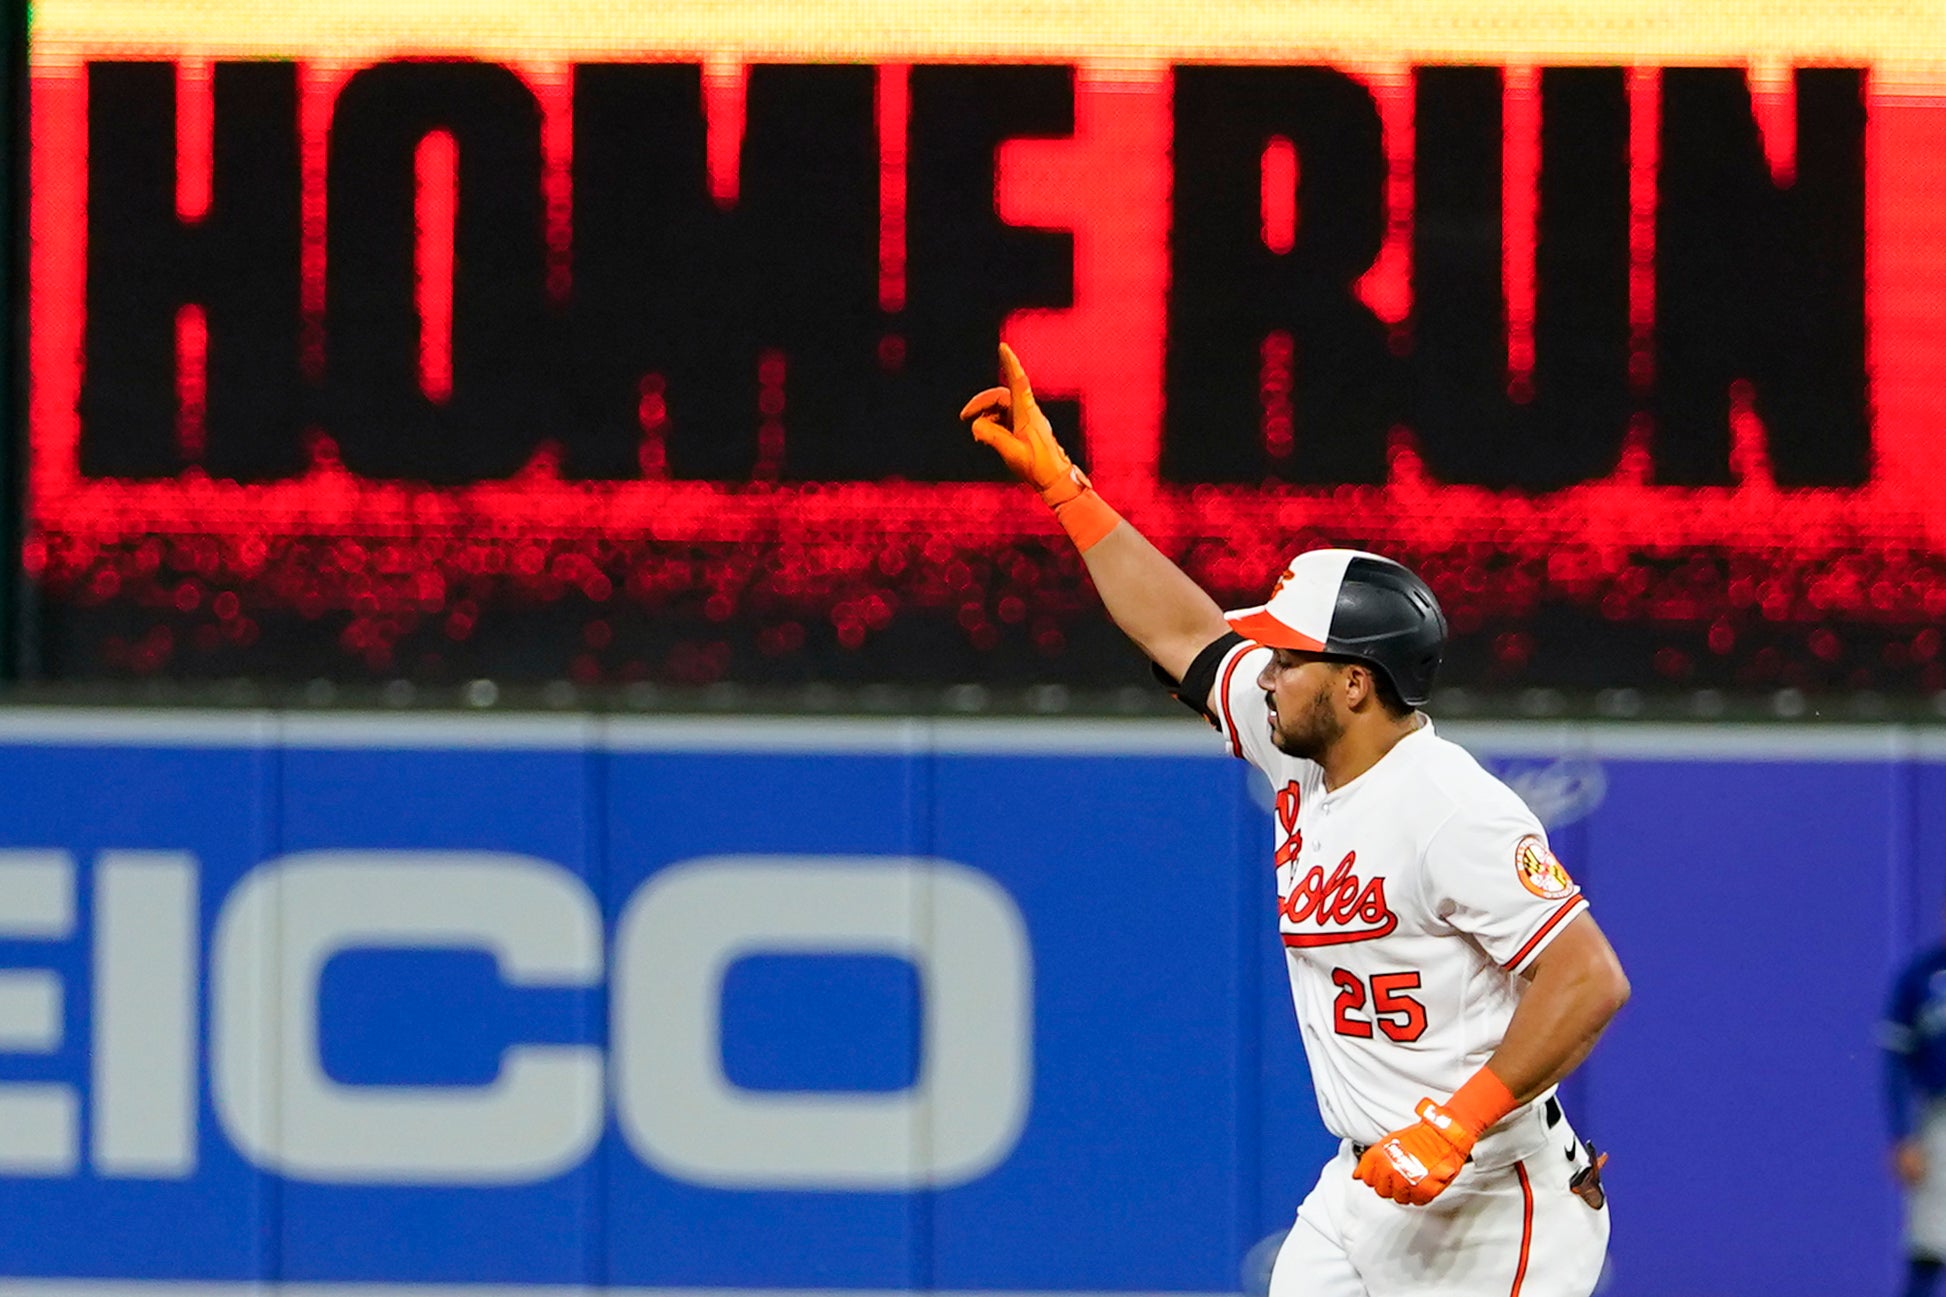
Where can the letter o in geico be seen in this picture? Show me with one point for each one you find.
(688, 924)
(539, 1117)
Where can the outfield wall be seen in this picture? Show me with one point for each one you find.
(736, 1005)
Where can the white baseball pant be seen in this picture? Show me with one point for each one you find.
(1925, 1202)
(1511, 1231)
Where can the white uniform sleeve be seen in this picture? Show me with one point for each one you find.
(1489, 873)
(1242, 716)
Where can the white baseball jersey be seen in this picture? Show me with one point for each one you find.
(1409, 901)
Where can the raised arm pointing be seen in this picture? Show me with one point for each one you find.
(1152, 600)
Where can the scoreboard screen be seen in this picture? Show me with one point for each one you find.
(448, 338)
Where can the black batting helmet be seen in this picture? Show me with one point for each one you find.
(1353, 604)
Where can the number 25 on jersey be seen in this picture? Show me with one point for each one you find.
(1398, 1015)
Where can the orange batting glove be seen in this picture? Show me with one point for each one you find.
(1010, 420)
(1414, 1165)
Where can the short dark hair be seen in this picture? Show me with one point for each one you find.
(1388, 694)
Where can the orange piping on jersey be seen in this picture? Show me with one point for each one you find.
(1567, 907)
(1526, 1226)
(1301, 940)
(1223, 701)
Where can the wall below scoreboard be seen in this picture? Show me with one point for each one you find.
(877, 1006)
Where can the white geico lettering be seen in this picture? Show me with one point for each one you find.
(543, 1112)
(540, 1116)
(684, 929)
(142, 1106)
(39, 1123)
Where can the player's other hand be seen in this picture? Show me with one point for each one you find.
(1414, 1165)
(1009, 420)
(1909, 1162)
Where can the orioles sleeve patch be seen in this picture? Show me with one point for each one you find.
(1540, 873)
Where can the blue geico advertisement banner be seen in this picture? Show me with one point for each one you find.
(896, 1006)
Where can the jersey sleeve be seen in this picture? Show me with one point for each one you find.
(1239, 708)
(1490, 874)
(1898, 1035)
(1898, 1030)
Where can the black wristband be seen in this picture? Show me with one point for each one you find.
(1193, 690)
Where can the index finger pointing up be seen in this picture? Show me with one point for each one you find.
(1015, 376)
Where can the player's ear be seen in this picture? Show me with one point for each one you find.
(1361, 685)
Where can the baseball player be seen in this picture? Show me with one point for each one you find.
(1914, 1036)
(1445, 968)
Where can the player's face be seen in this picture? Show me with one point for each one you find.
(1301, 689)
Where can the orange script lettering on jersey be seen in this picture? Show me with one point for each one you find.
(1288, 798)
(1337, 909)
